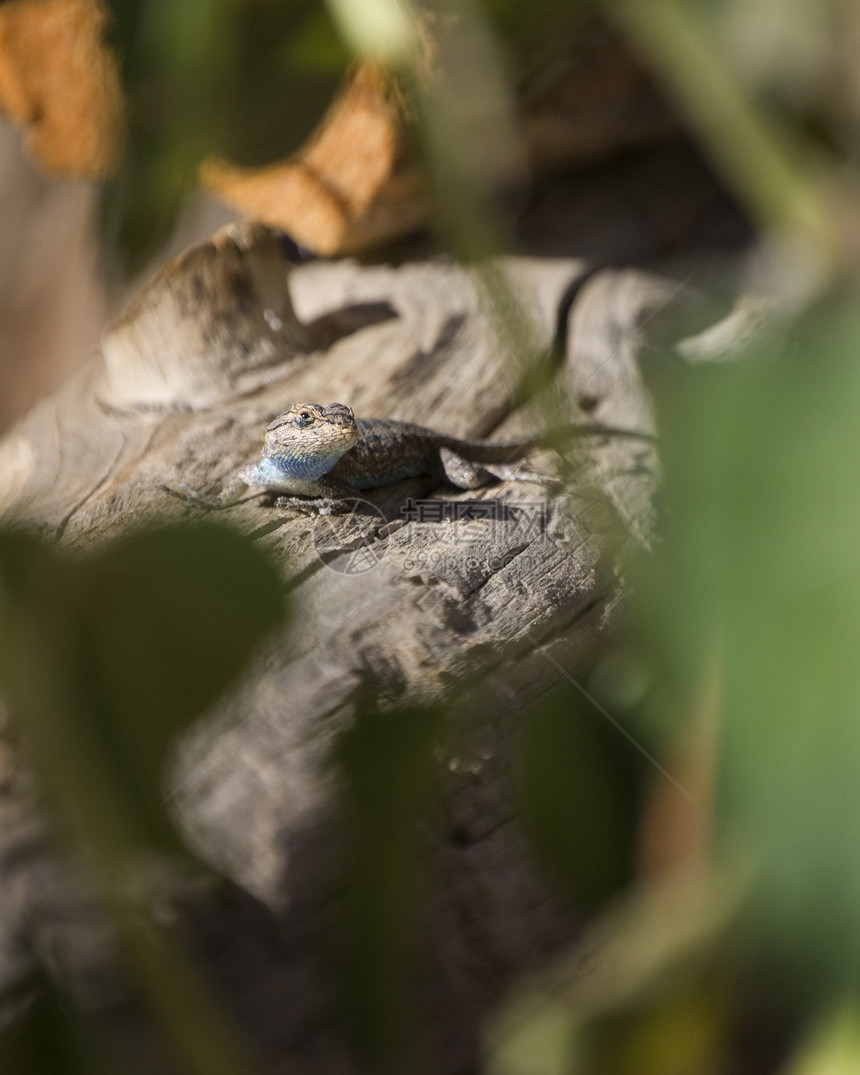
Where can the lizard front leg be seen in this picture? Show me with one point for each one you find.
(325, 496)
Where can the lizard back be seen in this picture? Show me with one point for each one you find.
(389, 451)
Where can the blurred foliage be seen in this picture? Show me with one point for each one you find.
(754, 579)
(104, 660)
(388, 770)
(833, 1048)
(741, 954)
(768, 94)
(577, 791)
(770, 165)
(248, 81)
(51, 1036)
(748, 610)
(655, 996)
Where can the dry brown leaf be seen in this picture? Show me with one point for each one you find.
(59, 80)
(344, 189)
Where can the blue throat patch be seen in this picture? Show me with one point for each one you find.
(306, 468)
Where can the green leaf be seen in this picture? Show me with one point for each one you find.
(106, 659)
(50, 1035)
(387, 773)
(758, 579)
(577, 792)
(833, 1047)
(174, 615)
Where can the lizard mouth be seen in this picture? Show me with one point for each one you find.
(348, 436)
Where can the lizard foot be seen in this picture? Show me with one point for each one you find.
(322, 505)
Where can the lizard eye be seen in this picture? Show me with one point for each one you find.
(304, 417)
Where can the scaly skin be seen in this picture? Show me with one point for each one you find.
(325, 453)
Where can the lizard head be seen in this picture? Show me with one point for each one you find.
(312, 433)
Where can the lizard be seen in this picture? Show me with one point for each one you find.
(318, 456)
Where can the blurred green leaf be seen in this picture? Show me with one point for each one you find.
(833, 1048)
(383, 29)
(539, 1041)
(758, 578)
(106, 658)
(577, 792)
(648, 998)
(174, 615)
(751, 602)
(536, 26)
(49, 1035)
(387, 772)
